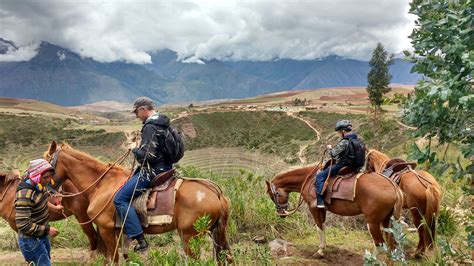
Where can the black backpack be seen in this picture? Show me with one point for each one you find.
(173, 145)
(355, 155)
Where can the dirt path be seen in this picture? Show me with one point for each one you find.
(301, 154)
(77, 256)
(299, 255)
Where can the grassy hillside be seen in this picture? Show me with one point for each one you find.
(26, 137)
(268, 132)
(385, 134)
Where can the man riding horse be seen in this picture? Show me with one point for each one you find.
(344, 153)
(152, 160)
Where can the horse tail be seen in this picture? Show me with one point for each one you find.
(398, 206)
(219, 236)
(433, 198)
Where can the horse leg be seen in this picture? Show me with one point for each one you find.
(374, 229)
(319, 216)
(126, 245)
(108, 234)
(388, 236)
(421, 231)
(186, 236)
(91, 235)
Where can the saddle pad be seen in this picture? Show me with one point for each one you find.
(342, 188)
(339, 187)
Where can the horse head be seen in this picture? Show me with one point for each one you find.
(279, 196)
(52, 156)
(375, 160)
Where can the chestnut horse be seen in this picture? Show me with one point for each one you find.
(8, 185)
(376, 197)
(194, 199)
(422, 197)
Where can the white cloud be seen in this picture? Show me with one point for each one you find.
(256, 30)
(23, 53)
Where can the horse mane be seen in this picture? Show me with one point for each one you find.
(292, 171)
(87, 158)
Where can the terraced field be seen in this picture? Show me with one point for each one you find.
(230, 162)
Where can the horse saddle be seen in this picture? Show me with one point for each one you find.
(155, 206)
(396, 167)
(341, 186)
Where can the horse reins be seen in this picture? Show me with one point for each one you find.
(300, 200)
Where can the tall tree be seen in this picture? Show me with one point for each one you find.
(442, 106)
(379, 77)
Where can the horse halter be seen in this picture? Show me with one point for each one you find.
(53, 160)
(275, 196)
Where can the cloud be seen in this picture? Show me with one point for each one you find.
(23, 53)
(255, 30)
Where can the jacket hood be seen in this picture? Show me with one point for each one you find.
(158, 119)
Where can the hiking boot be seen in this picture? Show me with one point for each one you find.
(320, 201)
(142, 244)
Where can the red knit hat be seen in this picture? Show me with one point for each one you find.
(36, 168)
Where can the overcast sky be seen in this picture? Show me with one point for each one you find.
(203, 29)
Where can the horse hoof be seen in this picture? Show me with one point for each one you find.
(317, 256)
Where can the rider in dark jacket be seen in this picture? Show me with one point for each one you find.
(149, 155)
(339, 153)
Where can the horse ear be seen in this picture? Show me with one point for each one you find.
(268, 185)
(52, 147)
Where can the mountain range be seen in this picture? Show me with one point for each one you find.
(58, 75)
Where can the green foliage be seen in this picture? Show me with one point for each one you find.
(442, 106)
(201, 225)
(446, 222)
(379, 77)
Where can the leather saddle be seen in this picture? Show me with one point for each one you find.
(396, 167)
(155, 206)
(341, 186)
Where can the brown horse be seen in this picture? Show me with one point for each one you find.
(422, 197)
(376, 197)
(8, 185)
(194, 199)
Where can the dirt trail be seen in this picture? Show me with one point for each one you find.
(301, 154)
(300, 255)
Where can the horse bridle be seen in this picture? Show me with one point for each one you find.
(53, 160)
(275, 196)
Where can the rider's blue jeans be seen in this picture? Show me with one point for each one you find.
(122, 199)
(321, 178)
